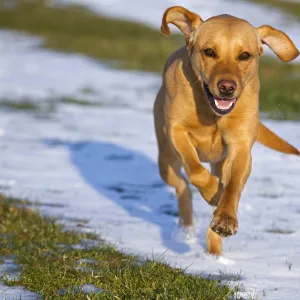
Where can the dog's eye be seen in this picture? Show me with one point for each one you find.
(210, 52)
(244, 56)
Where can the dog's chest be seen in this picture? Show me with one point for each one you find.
(209, 144)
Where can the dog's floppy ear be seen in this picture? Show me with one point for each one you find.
(279, 42)
(185, 20)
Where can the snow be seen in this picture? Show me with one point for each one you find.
(151, 12)
(23, 76)
(99, 164)
(9, 270)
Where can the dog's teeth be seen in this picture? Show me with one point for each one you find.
(224, 104)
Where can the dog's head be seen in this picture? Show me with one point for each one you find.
(224, 52)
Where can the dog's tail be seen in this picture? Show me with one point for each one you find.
(269, 139)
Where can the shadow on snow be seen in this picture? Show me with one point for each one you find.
(130, 179)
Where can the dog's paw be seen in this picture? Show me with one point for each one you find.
(224, 225)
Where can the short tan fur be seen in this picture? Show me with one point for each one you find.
(207, 111)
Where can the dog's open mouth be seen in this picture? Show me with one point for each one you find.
(221, 106)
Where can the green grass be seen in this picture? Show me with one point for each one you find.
(88, 90)
(47, 107)
(290, 7)
(19, 105)
(43, 107)
(135, 46)
(280, 89)
(79, 101)
(52, 264)
(279, 231)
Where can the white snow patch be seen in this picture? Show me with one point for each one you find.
(10, 271)
(101, 164)
(29, 73)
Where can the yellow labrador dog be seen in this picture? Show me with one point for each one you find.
(207, 111)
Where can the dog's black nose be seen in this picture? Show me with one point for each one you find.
(226, 87)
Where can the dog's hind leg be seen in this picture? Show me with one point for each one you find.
(170, 171)
(170, 167)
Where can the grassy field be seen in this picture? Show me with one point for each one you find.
(290, 7)
(58, 263)
(129, 45)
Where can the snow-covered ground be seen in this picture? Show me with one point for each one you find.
(151, 11)
(99, 164)
(26, 74)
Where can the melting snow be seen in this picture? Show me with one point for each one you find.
(100, 163)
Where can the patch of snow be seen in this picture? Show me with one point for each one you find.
(103, 163)
(86, 288)
(91, 288)
(185, 234)
(29, 73)
(10, 271)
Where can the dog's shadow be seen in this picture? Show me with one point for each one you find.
(130, 179)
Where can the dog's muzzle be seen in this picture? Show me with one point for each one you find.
(221, 106)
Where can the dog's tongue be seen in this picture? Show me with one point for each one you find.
(224, 104)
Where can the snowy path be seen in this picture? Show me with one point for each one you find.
(100, 163)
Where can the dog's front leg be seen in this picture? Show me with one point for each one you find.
(236, 169)
(208, 184)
